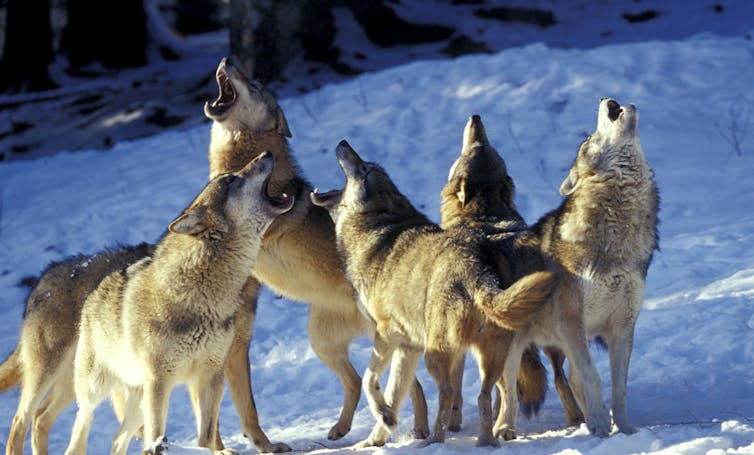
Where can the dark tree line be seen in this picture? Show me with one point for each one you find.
(112, 33)
(265, 35)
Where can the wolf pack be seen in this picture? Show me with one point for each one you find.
(130, 323)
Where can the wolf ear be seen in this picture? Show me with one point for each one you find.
(283, 124)
(570, 184)
(191, 222)
(461, 193)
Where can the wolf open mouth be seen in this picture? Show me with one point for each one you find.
(282, 203)
(227, 96)
(327, 199)
(613, 110)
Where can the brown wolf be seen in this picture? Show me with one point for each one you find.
(479, 194)
(298, 257)
(170, 318)
(428, 290)
(604, 234)
(42, 361)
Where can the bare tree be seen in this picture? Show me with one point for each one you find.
(28, 47)
(734, 131)
(113, 33)
(241, 23)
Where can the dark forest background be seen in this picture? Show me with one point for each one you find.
(264, 35)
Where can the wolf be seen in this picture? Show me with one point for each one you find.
(479, 194)
(42, 361)
(604, 234)
(298, 257)
(170, 318)
(428, 290)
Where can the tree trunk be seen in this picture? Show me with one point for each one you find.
(28, 47)
(266, 35)
(111, 32)
(196, 16)
(241, 24)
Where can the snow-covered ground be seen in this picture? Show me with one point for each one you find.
(691, 383)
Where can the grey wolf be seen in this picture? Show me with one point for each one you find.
(298, 257)
(42, 361)
(170, 318)
(428, 290)
(480, 194)
(604, 234)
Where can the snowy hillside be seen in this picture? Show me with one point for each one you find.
(691, 382)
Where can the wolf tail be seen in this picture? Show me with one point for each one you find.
(512, 307)
(532, 382)
(10, 371)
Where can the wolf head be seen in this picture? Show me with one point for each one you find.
(612, 151)
(244, 104)
(478, 182)
(232, 201)
(368, 188)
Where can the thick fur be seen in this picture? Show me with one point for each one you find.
(170, 318)
(479, 196)
(428, 290)
(42, 361)
(298, 257)
(604, 234)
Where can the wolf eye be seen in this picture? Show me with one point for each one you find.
(234, 182)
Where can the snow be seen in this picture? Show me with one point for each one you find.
(691, 386)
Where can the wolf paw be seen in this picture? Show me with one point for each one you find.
(506, 433)
(456, 418)
(433, 439)
(420, 433)
(336, 432)
(226, 452)
(626, 428)
(599, 424)
(369, 442)
(574, 420)
(158, 447)
(388, 416)
(487, 441)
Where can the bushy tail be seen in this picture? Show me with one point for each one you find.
(10, 371)
(532, 382)
(512, 307)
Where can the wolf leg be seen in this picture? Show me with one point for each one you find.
(155, 409)
(402, 376)
(60, 396)
(330, 334)
(491, 362)
(131, 418)
(421, 420)
(456, 414)
(441, 366)
(382, 353)
(43, 371)
(505, 426)
(619, 347)
(238, 373)
(33, 389)
(92, 386)
(206, 395)
(586, 377)
(574, 416)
